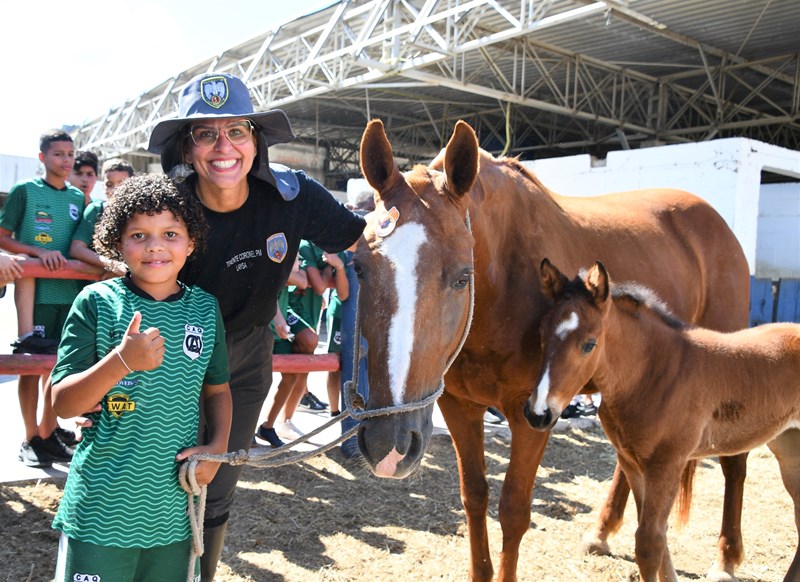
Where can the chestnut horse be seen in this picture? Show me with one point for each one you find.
(671, 392)
(469, 215)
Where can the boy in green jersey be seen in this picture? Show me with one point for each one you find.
(151, 351)
(38, 220)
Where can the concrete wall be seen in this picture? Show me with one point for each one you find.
(778, 238)
(14, 169)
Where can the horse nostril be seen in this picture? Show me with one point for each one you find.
(538, 421)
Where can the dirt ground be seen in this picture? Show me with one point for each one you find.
(329, 519)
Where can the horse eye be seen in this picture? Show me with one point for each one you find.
(462, 281)
(358, 270)
(588, 346)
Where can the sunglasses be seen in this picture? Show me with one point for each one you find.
(237, 133)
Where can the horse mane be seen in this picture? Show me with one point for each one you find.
(645, 297)
(514, 163)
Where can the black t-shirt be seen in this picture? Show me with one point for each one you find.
(250, 251)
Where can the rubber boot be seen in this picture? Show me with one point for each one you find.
(213, 540)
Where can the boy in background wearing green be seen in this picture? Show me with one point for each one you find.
(115, 171)
(149, 349)
(38, 220)
(84, 174)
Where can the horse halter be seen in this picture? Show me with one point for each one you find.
(354, 402)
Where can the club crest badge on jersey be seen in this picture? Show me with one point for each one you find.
(277, 247)
(193, 341)
(214, 91)
(387, 222)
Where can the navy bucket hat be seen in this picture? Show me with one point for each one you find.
(216, 96)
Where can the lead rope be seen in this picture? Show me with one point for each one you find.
(355, 408)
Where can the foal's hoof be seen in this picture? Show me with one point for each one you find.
(718, 575)
(592, 544)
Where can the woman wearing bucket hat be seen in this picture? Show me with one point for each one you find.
(258, 212)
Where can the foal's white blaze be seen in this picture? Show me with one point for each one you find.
(568, 325)
(542, 390)
(563, 329)
(402, 250)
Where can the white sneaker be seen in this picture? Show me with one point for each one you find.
(287, 430)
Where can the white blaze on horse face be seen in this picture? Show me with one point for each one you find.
(568, 325)
(402, 250)
(542, 391)
(563, 329)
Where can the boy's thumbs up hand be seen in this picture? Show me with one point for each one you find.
(141, 350)
(133, 326)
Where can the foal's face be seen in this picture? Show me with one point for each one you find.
(572, 335)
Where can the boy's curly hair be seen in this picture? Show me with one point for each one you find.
(147, 194)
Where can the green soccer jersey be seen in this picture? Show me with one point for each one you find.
(304, 302)
(85, 230)
(41, 216)
(123, 488)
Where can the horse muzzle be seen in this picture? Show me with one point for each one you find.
(542, 422)
(394, 445)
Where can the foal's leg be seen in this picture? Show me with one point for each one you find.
(465, 424)
(610, 517)
(730, 545)
(787, 449)
(654, 491)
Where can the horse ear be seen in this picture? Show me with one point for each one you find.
(597, 282)
(377, 158)
(553, 280)
(461, 159)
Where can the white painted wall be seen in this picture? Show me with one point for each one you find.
(14, 169)
(725, 172)
(778, 240)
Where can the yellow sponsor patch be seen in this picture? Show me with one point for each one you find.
(119, 403)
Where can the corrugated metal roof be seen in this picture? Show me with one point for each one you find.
(616, 74)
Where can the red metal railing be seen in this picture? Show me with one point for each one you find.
(37, 365)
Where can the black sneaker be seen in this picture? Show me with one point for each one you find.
(312, 402)
(67, 437)
(33, 453)
(570, 411)
(587, 409)
(59, 452)
(35, 343)
(269, 435)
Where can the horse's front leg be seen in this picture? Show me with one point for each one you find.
(527, 448)
(465, 423)
(730, 546)
(609, 519)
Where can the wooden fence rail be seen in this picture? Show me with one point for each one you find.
(36, 364)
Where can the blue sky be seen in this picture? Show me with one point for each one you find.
(64, 67)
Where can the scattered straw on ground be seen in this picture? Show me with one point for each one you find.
(329, 519)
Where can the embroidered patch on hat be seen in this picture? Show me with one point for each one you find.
(193, 341)
(387, 222)
(277, 247)
(214, 91)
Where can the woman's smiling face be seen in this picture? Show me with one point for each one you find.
(223, 165)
